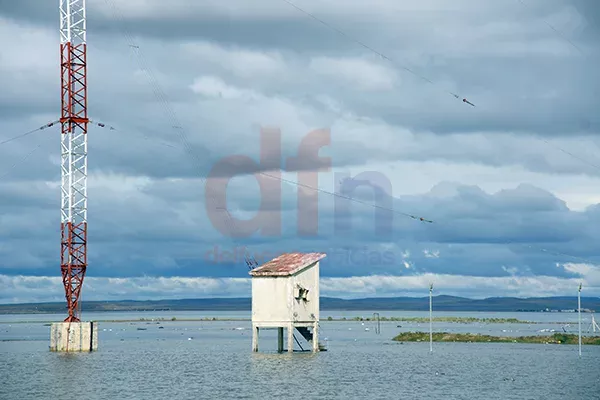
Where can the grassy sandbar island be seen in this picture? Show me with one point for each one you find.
(557, 338)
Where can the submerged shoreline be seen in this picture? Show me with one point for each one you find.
(556, 338)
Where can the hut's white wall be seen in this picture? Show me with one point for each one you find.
(273, 297)
(309, 279)
(270, 299)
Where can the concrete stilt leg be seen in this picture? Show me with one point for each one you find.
(280, 339)
(290, 338)
(315, 340)
(255, 338)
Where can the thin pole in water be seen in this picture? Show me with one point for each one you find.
(579, 312)
(430, 318)
(377, 326)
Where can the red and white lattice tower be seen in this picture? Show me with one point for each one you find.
(73, 146)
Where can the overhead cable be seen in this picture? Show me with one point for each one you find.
(48, 125)
(559, 33)
(22, 135)
(182, 133)
(159, 93)
(380, 54)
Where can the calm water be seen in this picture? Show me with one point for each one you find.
(212, 360)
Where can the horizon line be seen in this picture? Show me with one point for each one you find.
(320, 297)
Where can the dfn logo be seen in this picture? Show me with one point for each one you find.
(308, 164)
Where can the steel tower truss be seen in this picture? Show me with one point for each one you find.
(74, 120)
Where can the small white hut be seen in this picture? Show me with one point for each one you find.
(285, 294)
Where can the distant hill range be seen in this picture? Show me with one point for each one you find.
(441, 303)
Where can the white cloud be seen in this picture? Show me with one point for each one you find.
(356, 72)
(590, 274)
(16, 289)
(431, 253)
(234, 9)
(459, 285)
(214, 87)
(510, 270)
(32, 73)
(242, 62)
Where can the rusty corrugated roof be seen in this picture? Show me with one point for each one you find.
(287, 264)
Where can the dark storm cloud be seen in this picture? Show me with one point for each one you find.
(544, 95)
(293, 31)
(14, 108)
(33, 195)
(131, 235)
(520, 215)
(590, 10)
(31, 11)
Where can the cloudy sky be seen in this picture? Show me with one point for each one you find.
(197, 90)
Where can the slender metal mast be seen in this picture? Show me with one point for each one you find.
(579, 311)
(73, 145)
(431, 317)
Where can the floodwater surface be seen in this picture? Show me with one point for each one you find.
(213, 360)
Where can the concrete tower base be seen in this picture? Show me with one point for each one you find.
(74, 336)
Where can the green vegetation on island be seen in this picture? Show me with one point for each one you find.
(557, 338)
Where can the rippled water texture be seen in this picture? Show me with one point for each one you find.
(212, 360)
